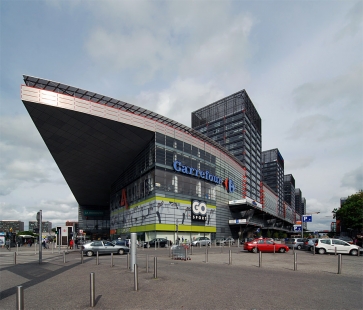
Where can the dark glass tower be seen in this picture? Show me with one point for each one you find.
(234, 123)
(273, 175)
(298, 201)
(289, 190)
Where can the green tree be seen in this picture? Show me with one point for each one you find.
(268, 234)
(351, 212)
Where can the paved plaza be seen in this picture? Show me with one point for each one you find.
(230, 279)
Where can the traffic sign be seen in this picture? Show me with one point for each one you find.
(297, 227)
(307, 218)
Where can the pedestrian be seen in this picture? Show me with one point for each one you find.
(43, 243)
(71, 244)
(7, 242)
(76, 242)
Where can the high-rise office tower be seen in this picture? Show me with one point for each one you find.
(273, 175)
(298, 201)
(235, 123)
(289, 190)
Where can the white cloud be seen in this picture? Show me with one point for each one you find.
(24, 156)
(180, 99)
(353, 179)
(172, 39)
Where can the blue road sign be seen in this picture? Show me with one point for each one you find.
(307, 218)
(297, 227)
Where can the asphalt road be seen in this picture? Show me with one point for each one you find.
(191, 284)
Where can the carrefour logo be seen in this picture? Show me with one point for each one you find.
(199, 210)
(196, 172)
(228, 185)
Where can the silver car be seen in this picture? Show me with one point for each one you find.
(103, 247)
(201, 241)
(296, 243)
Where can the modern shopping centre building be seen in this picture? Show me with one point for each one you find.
(132, 170)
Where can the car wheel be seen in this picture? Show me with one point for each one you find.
(89, 253)
(311, 249)
(208, 243)
(321, 251)
(121, 251)
(282, 250)
(299, 247)
(353, 252)
(148, 246)
(254, 250)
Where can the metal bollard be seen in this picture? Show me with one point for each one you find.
(186, 253)
(230, 257)
(35, 248)
(97, 261)
(111, 259)
(169, 249)
(136, 278)
(127, 261)
(155, 267)
(260, 259)
(92, 289)
(52, 247)
(147, 263)
(14, 258)
(191, 250)
(206, 255)
(64, 257)
(295, 261)
(19, 298)
(274, 249)
(17, 248)
(314, 249)
(339, 263)
(81, 257)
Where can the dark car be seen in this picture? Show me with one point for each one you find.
(158, 242)
(265, 245)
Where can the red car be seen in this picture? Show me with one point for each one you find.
(265, 245)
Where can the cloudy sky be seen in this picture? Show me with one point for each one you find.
(301, 62)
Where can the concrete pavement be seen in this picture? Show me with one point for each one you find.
(191, 284)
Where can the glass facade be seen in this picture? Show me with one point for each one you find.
(234, 123)
(152, 197)
(273, 175)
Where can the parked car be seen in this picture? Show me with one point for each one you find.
(120, 242)
(223, 241)
(346, 239)
(158, 242)
(296, 243)
(323, 246)
(265, 245)
(309, 244)
(103, 247)
(247, 240)
(201, 241)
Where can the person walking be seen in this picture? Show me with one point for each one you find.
(71, 244)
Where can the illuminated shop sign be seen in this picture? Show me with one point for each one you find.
(227, 183)
(199, 210)
(196, 172)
